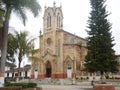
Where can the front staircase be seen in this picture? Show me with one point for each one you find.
(50, 81)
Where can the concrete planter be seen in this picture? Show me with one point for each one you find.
(103, 87)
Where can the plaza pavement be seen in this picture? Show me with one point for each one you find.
(78, 86)
(65, 87)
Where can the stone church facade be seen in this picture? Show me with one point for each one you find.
(62, 53)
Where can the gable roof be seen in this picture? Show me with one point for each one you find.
(60, 30)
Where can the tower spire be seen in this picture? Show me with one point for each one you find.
(60, 5)
(54, 4)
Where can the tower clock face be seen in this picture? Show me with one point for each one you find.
(49, 41)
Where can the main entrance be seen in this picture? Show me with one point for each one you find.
(48, 69)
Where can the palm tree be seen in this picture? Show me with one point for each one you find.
(1, 16)
(19, 7)
(34, 57)
(24, 45)
(10, 62)
(11, 48)
(1, 27)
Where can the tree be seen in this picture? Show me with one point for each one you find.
(19, 7)
(101, 56)
(1, 26)
(23, 47)
(11, 50)
(1, 17)
(10, 65)
(34, 57)
(1, 32)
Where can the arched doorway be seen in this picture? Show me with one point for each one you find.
(48, 69)
(69, 70)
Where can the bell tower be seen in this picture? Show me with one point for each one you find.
(53, 18)
(52, 21)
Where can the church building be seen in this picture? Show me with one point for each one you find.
(62, 53)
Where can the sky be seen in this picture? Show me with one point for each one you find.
(75, 13)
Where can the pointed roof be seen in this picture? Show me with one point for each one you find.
(54, 9)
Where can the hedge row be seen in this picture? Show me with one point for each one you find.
(24, 85)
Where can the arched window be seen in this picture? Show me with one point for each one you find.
(58, 20)
(49, 20)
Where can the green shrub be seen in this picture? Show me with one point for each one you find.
(7, 83)
(117, 77)
(113, 77)
(24, 85)
(87, 77)
(107, 77)
(81, 78)
(77, 78)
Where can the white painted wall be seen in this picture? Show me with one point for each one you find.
(10, 74)
(29, 73)
(1, 81)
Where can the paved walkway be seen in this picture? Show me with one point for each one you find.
(69, 87)
(65, 87)
(78, 86)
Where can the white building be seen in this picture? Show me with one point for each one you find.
(11, 75)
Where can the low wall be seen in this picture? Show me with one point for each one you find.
(103, 87)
